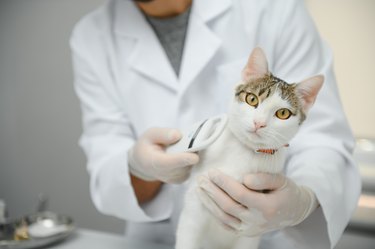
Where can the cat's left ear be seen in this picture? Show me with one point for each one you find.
(307, 91)
(256, 67)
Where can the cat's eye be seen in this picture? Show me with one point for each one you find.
(283, 113)
(252, 99)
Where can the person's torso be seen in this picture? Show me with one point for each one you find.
(218, 42)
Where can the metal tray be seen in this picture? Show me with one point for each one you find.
(50, 226)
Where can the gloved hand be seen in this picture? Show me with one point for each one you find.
(249, 210)
(149, 161)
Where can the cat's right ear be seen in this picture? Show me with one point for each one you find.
(256, 67)
(308, 90)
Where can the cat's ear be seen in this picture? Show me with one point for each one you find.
(256, 67)
(307, 91)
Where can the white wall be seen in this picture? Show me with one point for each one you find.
(349, 27)
(39, 112)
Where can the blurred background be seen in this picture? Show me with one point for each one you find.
(40, 116)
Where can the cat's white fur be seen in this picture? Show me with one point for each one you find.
(234, 153)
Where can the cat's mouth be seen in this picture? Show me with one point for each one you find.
(262, 139)
(255, 132)
(255, 138)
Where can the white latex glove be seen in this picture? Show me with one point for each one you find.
(149, 161)
(242, 207)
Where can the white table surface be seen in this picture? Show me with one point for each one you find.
(90, 239)
(84, 238)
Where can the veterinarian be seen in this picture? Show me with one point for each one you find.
(168, 63)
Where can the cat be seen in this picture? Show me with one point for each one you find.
(264, 116)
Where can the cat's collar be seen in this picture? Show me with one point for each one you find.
(269, 151)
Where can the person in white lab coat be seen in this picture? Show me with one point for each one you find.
(128, 84)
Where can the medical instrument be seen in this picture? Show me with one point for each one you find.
(38, 229)
(200, 135)
(35, 230)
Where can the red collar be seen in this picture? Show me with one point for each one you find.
(269, 151)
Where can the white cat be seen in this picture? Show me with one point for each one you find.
(264, 116)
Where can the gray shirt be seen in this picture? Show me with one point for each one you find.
(171, 33)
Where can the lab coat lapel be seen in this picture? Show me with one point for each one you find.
(201, 43)
(147, 57)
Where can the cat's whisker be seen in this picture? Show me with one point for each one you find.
(274, 133)
(277, 137)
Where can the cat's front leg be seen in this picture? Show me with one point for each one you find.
(246, 243)
(192, 223)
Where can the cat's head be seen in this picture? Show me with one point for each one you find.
(267, 111)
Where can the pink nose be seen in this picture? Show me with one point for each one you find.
(259, 124)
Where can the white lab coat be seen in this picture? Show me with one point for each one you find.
(127, 85)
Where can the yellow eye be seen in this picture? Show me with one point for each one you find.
(252, 100)
(283, 113)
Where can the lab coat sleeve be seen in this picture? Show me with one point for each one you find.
(107, 133)
(321, 153)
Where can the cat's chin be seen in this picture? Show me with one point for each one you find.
(251, 140)
(255, 141)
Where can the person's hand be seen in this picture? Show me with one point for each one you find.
(149, 161)
(262, 203)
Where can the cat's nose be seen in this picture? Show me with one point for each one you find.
(259, 124)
